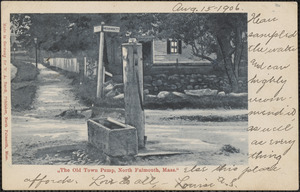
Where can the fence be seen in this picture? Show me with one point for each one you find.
(70, 64)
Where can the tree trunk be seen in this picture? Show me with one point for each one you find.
(238, 51)
(225, 47)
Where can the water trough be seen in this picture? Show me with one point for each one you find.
(114, 138)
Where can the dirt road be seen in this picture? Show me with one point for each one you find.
(38, 128)
(41, 138)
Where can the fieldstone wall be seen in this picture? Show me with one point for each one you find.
(162, 82)
(160, 85)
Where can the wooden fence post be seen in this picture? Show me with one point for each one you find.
(133, 88)
(85, 67)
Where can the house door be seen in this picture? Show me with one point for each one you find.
(147, 55)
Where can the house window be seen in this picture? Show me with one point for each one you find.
(174, 46)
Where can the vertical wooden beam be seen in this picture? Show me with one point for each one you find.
(85, 67)
(100, 65)
(36, 61)
(133, 88)
(103, 81)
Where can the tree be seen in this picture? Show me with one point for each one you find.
(74, 32)
(207, 34)
(228, 31)
(48, 30)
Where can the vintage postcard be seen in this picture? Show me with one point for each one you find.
(149, 95)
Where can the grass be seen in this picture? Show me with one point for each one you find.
(174, 102)
(211, 118)
(26, 72)
(23, 87)
(193, 102)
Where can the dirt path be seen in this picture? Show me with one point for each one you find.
(54, 94)
(41, 138)
(35, 128)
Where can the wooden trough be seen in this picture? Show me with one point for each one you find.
(115, 139)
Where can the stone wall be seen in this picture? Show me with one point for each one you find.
(191, 84)
(162, 82)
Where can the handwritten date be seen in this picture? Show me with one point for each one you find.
(180, 7)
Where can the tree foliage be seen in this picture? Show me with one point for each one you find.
(73, 32)
(207, 34)
(219, 34)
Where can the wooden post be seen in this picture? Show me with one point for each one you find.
(36, 56)
(133, 88)
(85, 67)
(102, 29)
(100, 65)
(103, 75)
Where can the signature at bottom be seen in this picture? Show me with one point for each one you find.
(183, 183)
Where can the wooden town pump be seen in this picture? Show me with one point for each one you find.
(115, 138)
(132, 78)
(133, 88)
